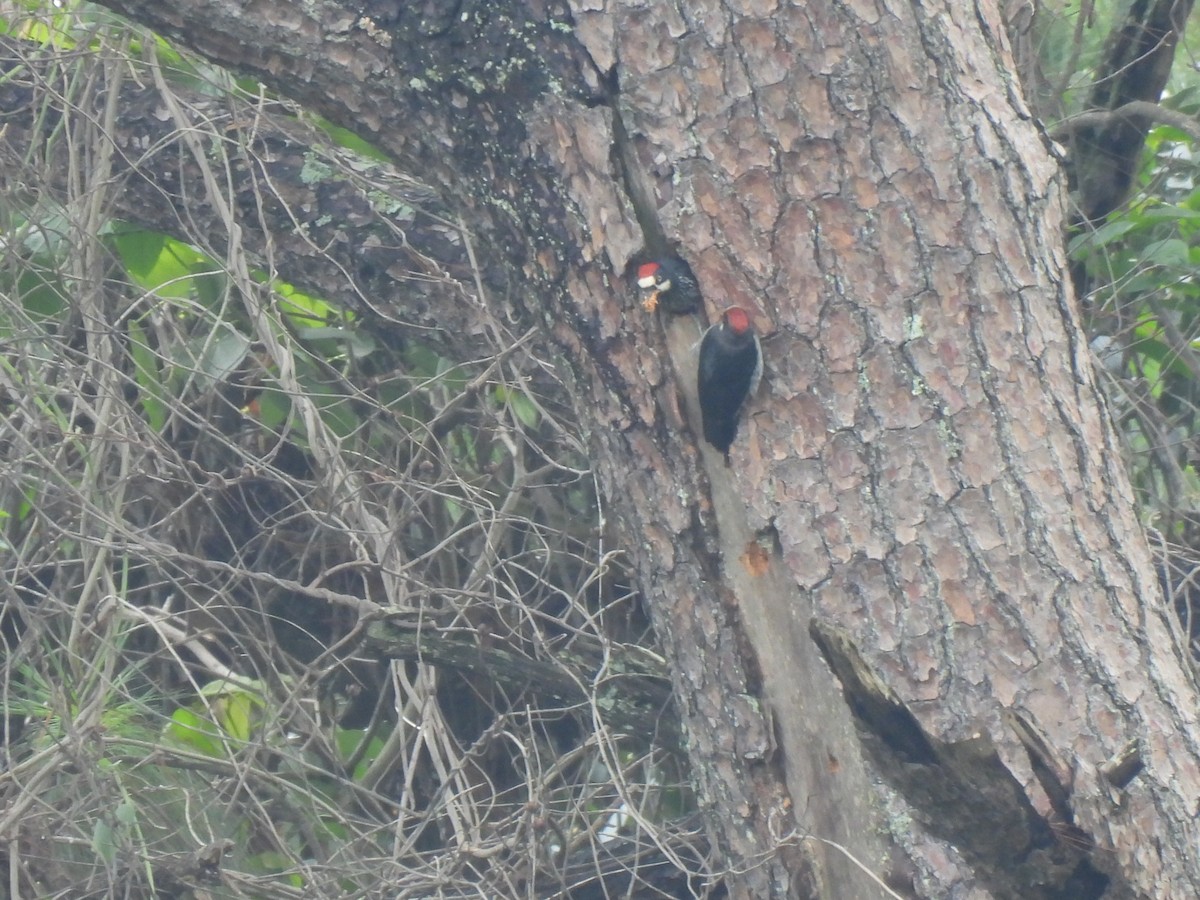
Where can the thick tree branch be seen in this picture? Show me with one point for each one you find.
(1136, 112)
(500, 106)
(1135, 67)
(353, 230)
(630, 691)
(930, 469)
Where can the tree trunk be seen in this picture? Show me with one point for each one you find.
(927, 498)
(1135, 68)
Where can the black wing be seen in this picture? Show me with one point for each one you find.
(723, 382)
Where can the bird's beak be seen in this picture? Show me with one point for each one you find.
(652, 290)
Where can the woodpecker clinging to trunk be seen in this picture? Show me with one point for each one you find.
(730, 367)
(668, 281)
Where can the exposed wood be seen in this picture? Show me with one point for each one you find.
(928, 471)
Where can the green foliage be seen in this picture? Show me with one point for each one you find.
(349, 140)
(214, 480)
(222, 712)
(1070, 41)
(216, 391)
(167, 268)
(39, 294)
(1145, 307)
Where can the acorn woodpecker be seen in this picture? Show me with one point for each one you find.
(730, 367)
(668, 281)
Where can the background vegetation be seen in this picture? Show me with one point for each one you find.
(300, 600)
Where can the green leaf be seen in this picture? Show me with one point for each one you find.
(237, 714)
(236, 708)
(360, 344)
(151, 394)
(1169, 133)
(103, 842)
(269, 861)
(452, 376)
(43, 299)
(322, 333)
(1172, 253)
(339, 415)
(1169, 213)
(305, 310)
(351, 141)
(190, 730)
(1083, 244)
(274, 407)
(139, 250)
(527, 414)
(159, 263)
(127, 812)
(348, 741)
(1185, 100)
(337, 829)
(222, 355)
(45, 239)
(422, 361)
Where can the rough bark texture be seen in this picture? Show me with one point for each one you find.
(928, 484)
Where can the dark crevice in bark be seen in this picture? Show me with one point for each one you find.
(627, 164)
(1125, 766)
(629, 167)
(964, 793)
(1051, 774)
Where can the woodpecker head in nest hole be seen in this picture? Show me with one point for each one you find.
(668, 282)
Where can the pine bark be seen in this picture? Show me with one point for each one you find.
(927, 499)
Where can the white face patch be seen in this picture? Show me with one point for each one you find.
(646, 281)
